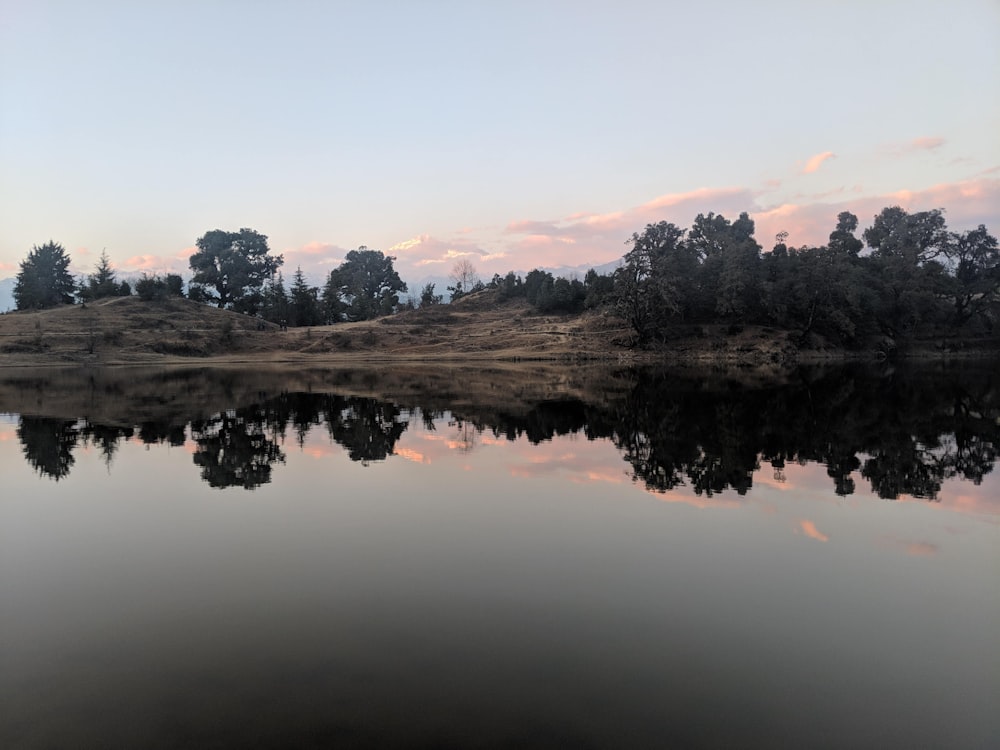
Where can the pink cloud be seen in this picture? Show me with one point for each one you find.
(4, 267)
(314, 254)
(584, 239)
(924, 143)
(424, 250)
(151, 264)
(967, 204)
(816, 161)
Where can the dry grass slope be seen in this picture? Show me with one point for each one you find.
(130, 331)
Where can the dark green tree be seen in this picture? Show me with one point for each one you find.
(303, 305)
(274, 305)
(598, 288)
(230, 269)
(363, 287)
(649, 287)
(44, 279)
(908, 282)
(842, 239)
(159, 287)
(427, 296)
(102, 283)
(976, 284)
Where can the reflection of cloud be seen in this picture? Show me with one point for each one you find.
(816, 161)
(809, 529)
(915, 548)
(411, 455)
(702, 502)
(922, 549)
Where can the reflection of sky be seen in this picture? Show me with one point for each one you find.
(477, 579)
(575, 460)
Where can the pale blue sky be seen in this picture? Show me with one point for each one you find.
(514, 134)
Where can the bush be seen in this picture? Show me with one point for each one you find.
(159, 287)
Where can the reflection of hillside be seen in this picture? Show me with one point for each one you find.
(903, 431)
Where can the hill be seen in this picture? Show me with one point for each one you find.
(127, 330)
(477, 328)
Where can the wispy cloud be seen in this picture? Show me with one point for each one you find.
(916, 145)
(813, 163)
(968, 203)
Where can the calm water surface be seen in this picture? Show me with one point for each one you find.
(248, 559)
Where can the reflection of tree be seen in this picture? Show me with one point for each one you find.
(367, 428)
(48, 444)
(234, 449)
(105, 439)
(904, 431)
(165, 431)
(913, 430)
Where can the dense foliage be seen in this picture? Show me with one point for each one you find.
(44, 279)
(231, 268)
(918, 279)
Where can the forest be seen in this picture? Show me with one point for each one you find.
(906, 277)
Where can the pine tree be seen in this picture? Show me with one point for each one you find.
(44, 279)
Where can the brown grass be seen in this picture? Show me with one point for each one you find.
(130, 331)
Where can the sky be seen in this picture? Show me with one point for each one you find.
(512, 134)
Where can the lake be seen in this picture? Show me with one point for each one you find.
(500, 556)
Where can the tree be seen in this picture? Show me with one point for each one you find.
(159, 287)
(44, 279)
(976, 260)
(428, 298)
(906, 277)
(463, 277)
(230, 269)
(102, 282)
(649, 288)
(274, 306)
(303, 305)
(363, 287)
(842, 239)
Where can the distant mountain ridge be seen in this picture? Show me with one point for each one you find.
(7, 294)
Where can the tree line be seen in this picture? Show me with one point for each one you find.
(916, 279)
(907, 276)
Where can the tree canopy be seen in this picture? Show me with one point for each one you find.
(918, 279)
(44, 279)
(231, 268)
(363, 287)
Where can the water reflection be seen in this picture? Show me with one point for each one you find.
(481, 558)
(903, 431)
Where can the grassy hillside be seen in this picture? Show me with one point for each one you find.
(129, 330)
